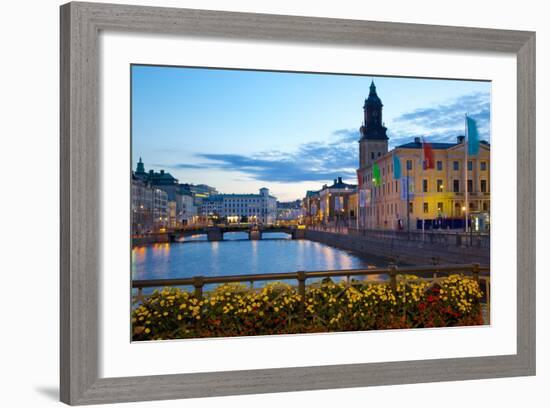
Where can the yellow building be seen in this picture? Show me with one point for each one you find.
(436, 197)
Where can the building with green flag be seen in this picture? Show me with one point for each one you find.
(376, 178)
(437, 194)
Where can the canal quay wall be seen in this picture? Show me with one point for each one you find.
(150, 239)
(416, 249)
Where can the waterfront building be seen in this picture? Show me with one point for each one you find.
(186, 208)
(260, 208)
(141, 206)
(149, 207)
(338, 202)
(198, 191)
(312, 207)
(172, 215)
(290, 211)
(435, 197)
(160, 209)
(186, 196)
(162, 180)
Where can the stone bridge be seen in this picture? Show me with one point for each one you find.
(216, 233)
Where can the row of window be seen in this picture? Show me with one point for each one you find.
(393, 187)
(391, 208)
(438, 165)
(456, 165)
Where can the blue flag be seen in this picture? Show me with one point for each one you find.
(396, 167)
(473, 137)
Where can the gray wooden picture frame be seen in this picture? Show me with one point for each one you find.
(81, 24)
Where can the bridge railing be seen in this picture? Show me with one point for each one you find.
(198, 282)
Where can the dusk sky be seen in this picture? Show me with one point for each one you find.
(239, 130)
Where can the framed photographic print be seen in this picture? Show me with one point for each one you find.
(266, 190)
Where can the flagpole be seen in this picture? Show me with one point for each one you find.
(357, 214)
(466, 205)
(408, 204)
(422, 163)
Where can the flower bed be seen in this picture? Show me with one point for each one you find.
(235, 310)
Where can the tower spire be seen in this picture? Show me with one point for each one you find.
(140, 167)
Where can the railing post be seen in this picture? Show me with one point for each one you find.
(475, 272)
(435, 262)
(139, 296)
(302, 291)
(198, 283)
(393, 278)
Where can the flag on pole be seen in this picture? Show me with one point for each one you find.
(404, 191)
(362, 198)
(473, 137)
(429, 162)
(376, 179)
(396, 167)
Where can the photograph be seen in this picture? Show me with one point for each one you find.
(279, 202)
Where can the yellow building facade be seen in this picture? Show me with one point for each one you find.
(435, 197)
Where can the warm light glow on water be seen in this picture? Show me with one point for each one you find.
(238, 256)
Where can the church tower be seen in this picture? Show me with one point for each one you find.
(140, 167)
(374, 141)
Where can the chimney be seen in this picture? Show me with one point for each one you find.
(339, 179)
(335, 181)
(162, 172)
(417, 140)
(460, 139)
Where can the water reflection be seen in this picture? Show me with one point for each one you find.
(236, 256)
(235, 236)
(193, 238)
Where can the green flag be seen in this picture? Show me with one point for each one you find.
(376, 179)
(473, 137)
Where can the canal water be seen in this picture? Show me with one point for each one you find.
(237, 255)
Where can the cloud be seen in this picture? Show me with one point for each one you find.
(443, 122)
(320, 161)
(180, 166)
(338, 155)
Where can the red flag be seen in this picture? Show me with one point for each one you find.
(429, 162)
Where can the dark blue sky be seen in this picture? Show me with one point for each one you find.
(242, 130)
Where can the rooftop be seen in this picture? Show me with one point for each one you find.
(417, 144)
(339, 184)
